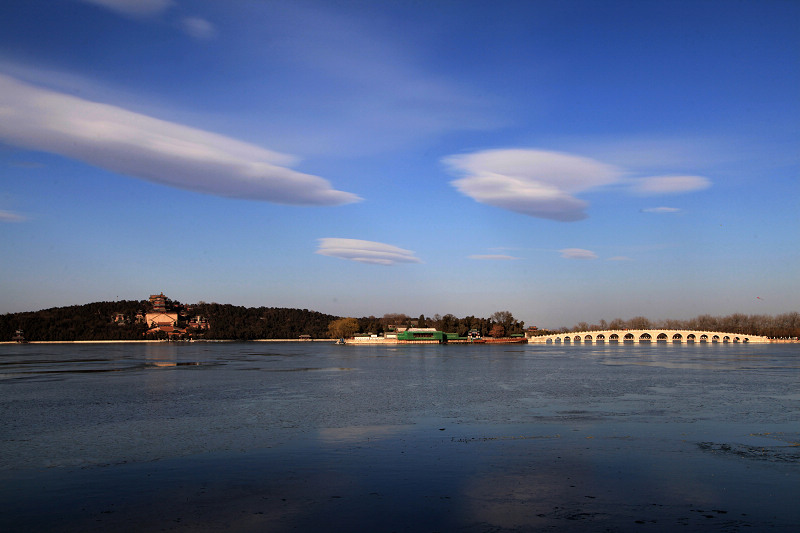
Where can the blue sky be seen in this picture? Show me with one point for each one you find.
(564, 160)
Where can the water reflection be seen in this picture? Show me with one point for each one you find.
(356, 434)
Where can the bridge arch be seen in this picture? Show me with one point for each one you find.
(647, 335)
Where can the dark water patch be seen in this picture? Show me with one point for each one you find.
(787, 453)
(307, 369)
(26, 362)
(502, 437)
(86, 370)
(130, 368)
(11, 379)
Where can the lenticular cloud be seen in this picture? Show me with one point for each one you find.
(532, 182)
(156, 150)
(376, 253)
(543, 184)
(577, 253)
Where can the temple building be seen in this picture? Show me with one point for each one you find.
(159, 317)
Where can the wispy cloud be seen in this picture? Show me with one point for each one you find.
(670, 184)
(134, 8)
(376, 253)
(657, 154)
(577, 253)
(10, 216)
(495, 257)
(198, 28)
(156, 150)
(661, 210)
(370, 91)
(544, 184)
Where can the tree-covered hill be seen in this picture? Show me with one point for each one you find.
(95, 321)
(247, 323)
(92, 321)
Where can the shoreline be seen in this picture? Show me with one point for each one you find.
(164, 341)
(351, 342)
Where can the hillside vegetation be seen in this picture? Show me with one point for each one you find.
(94, 321)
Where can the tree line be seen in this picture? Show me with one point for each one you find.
(782, 325)
(95, 321)
(499, 324)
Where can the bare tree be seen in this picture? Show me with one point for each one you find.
(395, 319)
(617, 323)
(639, 322)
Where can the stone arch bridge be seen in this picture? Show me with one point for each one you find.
(648, 335)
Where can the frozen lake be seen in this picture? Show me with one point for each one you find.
(318, 437)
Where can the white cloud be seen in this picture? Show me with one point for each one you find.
(156, 150)
(497, 257)
(10, 216)
(577, 253)
(376, 253)
(135, 8)
(661, 210)
(198, 28)
(532, 182)
(670, 184)
(544, 184)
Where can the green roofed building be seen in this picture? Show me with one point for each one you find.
(428, 335)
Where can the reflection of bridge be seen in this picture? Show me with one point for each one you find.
(647, 335)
